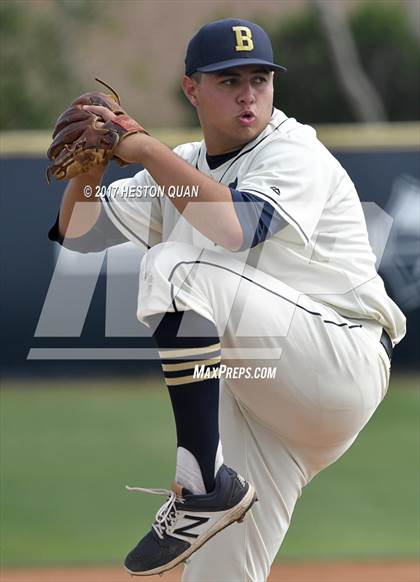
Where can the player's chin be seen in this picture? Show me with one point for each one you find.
(250, 132)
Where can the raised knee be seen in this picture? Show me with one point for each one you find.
(165, 257)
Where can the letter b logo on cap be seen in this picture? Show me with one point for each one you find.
(243, 37)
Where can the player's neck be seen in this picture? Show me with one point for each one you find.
(218, 144)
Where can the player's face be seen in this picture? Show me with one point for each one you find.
(234, 106)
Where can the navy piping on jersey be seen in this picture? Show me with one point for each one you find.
(199, 262)
(122, 224)
(282, 209)
(250, 149)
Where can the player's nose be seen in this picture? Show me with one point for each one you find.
(246, 95)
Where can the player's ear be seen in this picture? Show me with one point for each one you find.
(189, 87)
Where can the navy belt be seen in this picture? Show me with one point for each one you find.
(387, 343)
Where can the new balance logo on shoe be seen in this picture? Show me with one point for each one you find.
(185, 531)
(241, 479)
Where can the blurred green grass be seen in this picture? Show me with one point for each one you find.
(68, 448)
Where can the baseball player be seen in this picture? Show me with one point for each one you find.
(267, 267)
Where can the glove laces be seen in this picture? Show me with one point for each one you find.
(167, 515)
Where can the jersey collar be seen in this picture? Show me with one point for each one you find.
(204, 158)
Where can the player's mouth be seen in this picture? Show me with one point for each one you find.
(246, 118)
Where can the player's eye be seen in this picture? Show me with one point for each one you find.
(228, 82)
(260, 80)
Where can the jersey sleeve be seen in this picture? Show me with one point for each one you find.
(291, 175)
(188, 151)
(133, 205)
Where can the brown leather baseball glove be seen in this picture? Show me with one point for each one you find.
(81, 140)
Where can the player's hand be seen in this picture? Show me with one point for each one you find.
(128, 149)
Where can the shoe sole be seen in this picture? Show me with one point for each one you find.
(236, 514)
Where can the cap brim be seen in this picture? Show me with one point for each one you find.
(239, 63)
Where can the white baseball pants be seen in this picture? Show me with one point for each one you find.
(331, 374)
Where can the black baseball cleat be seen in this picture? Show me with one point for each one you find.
(185, 522)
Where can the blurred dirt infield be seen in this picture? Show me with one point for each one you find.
(401, 571)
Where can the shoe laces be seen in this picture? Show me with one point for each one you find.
(167, 515)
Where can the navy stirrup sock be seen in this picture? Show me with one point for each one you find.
(186, 340)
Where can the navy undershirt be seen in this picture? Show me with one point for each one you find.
(214, 162)
(102, 235)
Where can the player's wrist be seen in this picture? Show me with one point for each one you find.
(133, 148)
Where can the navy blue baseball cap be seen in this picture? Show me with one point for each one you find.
(229, 43)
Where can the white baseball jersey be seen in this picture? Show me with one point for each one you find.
(307, 302)
(323, 251)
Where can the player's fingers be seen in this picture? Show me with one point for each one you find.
(103, 112)
(71, 115)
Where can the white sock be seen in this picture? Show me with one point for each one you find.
(218, 462)
(188, 472)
